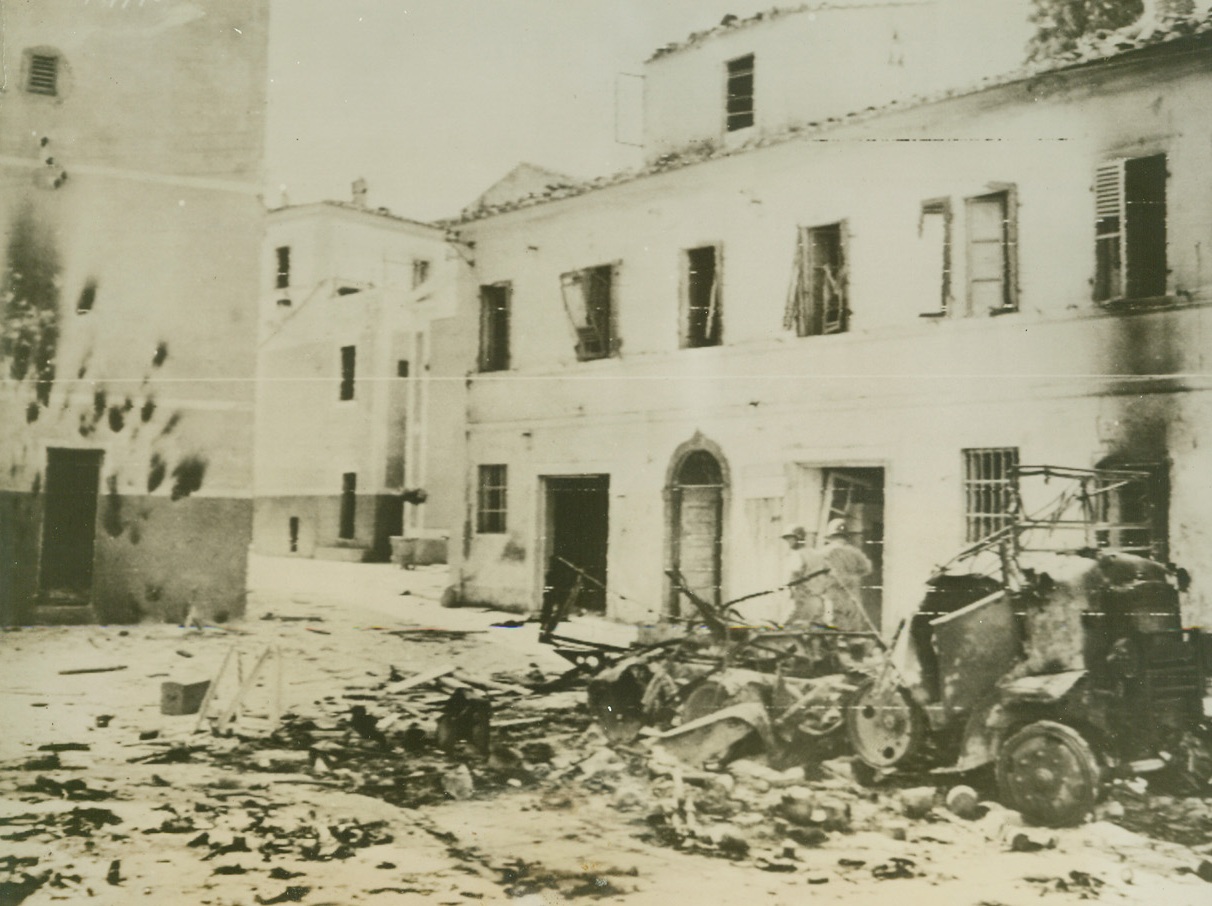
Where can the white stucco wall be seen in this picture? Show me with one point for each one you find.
(1061, 379)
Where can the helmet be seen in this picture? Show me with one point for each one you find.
(795, 531)
(837, 529)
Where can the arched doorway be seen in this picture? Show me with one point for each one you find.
(697, 489)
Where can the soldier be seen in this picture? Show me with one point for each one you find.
(806, 571)
(848, 566)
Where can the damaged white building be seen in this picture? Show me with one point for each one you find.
(865, 291)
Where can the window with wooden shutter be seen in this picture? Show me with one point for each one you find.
(589, 302)
(740, 106)
(991, 253)
(702, 325)
(818, 303)
(1130, 229)
(494, 327)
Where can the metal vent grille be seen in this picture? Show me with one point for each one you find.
(43, 74)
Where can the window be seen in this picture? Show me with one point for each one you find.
(817, 303)
(494, 327)
(988, 490)
(1133, 510)
(589, 302)
(991, 253)
(934, 255)
(420, 271)
(402, 368)
(349, 505)
(42, 74)
(740, 93)
(1130, 229)
(349, 359)
(490, 500)
(701, 325)
(283, 255)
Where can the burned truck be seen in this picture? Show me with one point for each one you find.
(1045, 651)
(1040, 651)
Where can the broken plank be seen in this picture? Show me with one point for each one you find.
(421, 679)
(91, 670)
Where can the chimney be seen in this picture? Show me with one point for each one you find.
(359, 192)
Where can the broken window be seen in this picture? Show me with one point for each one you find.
(283, 255)
(702, 325)
(420, 271)
(934, 255)
(1133, 510)
(988, 490)
(494, 327)
(349, 358)
(491, 500)
(589, 302)
(1130, 229)
(349, 504)
(740, 93)
(42, 74)
(817, 303)
(991, 253)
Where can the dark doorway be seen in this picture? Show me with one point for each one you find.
(69, 523)
(697, 498)
(577, 536)
(856, 496)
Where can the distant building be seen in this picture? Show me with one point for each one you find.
(357, 437)
(131, 154)
(799, 312)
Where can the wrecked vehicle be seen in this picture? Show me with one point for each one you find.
(719, 683)
(1070, 668)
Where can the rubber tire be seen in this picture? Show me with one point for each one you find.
(1065, 748)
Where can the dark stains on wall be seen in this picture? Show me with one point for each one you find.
(171, 424)
(156, 471)
(111, 518)
(148, 410)
(187, 476)
(117, 419)
(87, 298)
(160, 355)
(29, 331)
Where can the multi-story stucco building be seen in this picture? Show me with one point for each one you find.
(357, 434)
(794, 313)
(131, 157)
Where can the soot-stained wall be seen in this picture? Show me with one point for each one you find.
(130, 236)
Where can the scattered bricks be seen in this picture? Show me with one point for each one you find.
(963, 801)
(182, 698)
(917, 802)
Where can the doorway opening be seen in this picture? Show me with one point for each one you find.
(69, 525)
(578, 531)
(696, 497)
(819, 496)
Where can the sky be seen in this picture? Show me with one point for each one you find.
(432, 101)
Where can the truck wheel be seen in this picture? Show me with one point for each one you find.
(884, 726)
(1050, 773)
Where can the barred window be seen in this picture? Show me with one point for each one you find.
(988, 490)
(491, 500)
